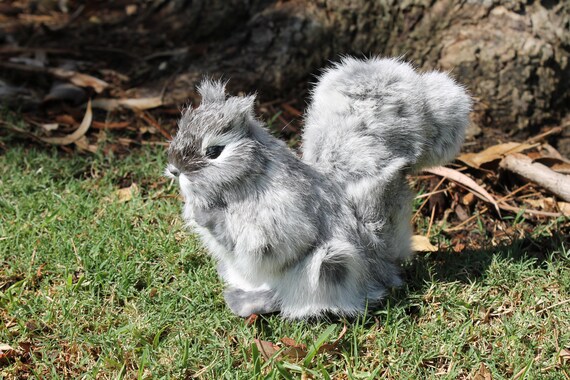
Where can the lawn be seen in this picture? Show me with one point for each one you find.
(99, 278)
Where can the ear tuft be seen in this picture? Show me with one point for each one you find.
(212, 91)
(247, 104)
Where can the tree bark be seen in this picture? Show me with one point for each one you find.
(512, 56)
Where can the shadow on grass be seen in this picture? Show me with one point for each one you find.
(470, 266)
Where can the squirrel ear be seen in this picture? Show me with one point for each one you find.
(247, 105)
(212, 91)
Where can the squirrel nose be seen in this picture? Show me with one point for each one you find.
(173, 170)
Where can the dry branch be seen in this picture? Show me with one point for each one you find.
(558, 184)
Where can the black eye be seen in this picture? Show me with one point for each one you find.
(214, 151)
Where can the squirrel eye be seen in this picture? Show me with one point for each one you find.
(214, 151)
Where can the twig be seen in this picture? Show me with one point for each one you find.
(460, 225)
(430, 221)
(553, 306)
(430, 193)
(512, 193)
(552, 131)
(507, 207)
(149, 119)
(557, 183)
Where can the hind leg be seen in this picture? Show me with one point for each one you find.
(245, 303)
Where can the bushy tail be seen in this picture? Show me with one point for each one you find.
(372, 117)
(373, 121)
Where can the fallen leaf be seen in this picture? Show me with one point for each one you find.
(459, 247)
(482, 373)
(250, 321)
(111, 125)
(65, 119)
(50, 127)
(79, 132)
(564, 208)
(295, 353)
(82, 80)
(547, 203)
(83, 144)
(422, 244)
(127, 193)
(5, 347)
(564, 356)
(493, 153)
(134, 104)
(6, 352)
(292, 343)
(462, 179)
(267, 349)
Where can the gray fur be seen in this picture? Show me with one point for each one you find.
(245, 303)
(325, 233)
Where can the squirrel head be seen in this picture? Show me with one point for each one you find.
(215, 147)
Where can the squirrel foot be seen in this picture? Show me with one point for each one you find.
(245, 303)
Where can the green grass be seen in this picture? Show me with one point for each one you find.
(95, 287)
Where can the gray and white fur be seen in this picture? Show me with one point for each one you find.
(325, 233)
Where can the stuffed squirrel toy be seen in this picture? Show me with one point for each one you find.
(324, 233)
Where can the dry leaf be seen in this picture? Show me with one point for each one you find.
(422, 244)
(564, 355)
(294, 353)
(127, 193)
(462, 179)
(493, 153)
(83, 144)
(294, 350)
(79, 132)
(483, 373)
(564, 208)
(6, 352)
(81, 80)
(267, 349)
(134, 104)
(5, 347)
(50, 127)
(111, 125)
(547, 203)
(459, 247)
(250, 321)
(292, 343)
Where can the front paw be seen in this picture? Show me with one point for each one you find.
(245, 303)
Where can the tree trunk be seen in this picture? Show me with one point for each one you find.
(512, 56)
